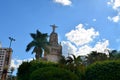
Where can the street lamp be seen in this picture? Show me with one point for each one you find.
(11, 39)
(12, 68)
(5, 70)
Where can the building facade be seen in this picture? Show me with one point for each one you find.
(55, 49)
(5, 59)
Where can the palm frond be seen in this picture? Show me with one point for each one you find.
(69, 59)
(33, 35)
(39, 43)
(30, 45)
(38, 33)
(74, 57)
(79, 58)
(34, 50)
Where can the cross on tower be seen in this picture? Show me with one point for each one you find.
(53, 27)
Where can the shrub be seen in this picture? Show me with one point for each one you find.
(108, 70)
(23, 71)
(41, 64)
(26, 68)
(52, 73)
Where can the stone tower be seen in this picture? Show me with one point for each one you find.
(55, 49)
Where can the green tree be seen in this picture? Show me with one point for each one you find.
(38, 43)
(96, 56)
(71, 62)
(53, 73)
(75, 64)
(114, 54)
(26, 68)
(24, 71)
(106, 70)
(74, 60)
(62, 62)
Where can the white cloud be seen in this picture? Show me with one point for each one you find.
(63, 2)
(81, 36)
(116, 6)
(16, 62)
(114, 19)
(68, 48)
(94, 20)
(101, 46)
(84, 50)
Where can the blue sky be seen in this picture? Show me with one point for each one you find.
(83, 25)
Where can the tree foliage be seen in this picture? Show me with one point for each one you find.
(114, 54)
(74, 64)
(26, 68)
(38, 43)
(36, 64)
(95, 56)
(53, 73)
(23, 71)
(108, 70)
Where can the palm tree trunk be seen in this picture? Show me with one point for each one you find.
(37, 56)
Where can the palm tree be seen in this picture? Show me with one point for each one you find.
(114, 54)
(38, 43)
(75, 60)
(62, 62)
(73, 63)
(96, 56)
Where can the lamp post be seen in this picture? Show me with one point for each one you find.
(7, 60)
(11, 39)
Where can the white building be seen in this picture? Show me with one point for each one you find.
(5, 59)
